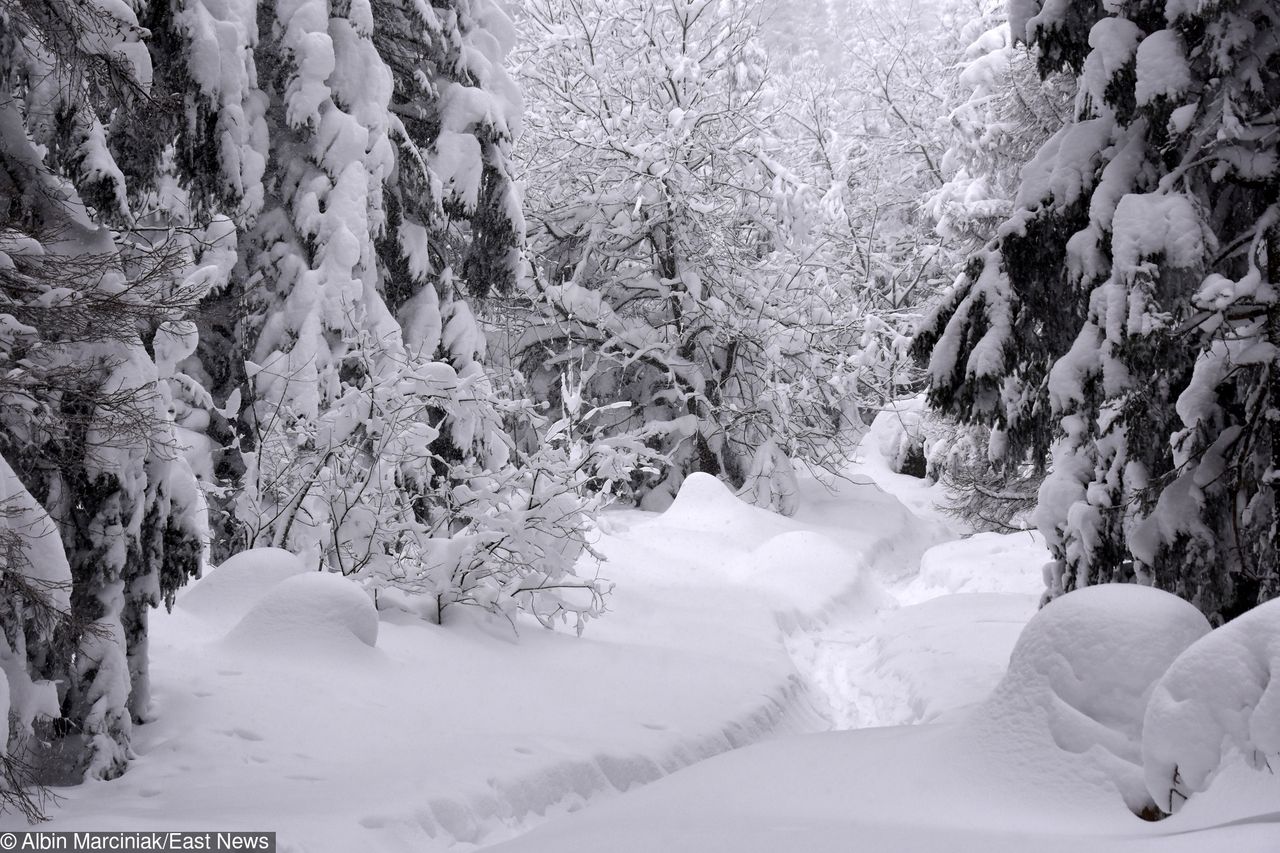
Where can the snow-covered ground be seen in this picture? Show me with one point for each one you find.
(283, 702)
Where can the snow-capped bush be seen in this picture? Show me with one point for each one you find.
(899, 434)
(1080, 676)
(1221, 694)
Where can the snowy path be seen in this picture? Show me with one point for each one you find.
(938, 643)
(937, 637)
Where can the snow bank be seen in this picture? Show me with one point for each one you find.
(1033, 769)
(896, 434)
(914, 664)
(985, 562)
(804, 571)
(906, 789)
(315, 609)
(1078, 682)
(1221, 693)
(943, 649)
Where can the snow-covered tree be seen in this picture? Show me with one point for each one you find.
(1124, 314)
(848, 137)
(668, 238)
(363, 152)
(998, 115)
(86, 422)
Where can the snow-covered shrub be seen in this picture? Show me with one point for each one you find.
(1080, 676)
(982, 490)
(986, 488)
(771, 480)
(409, 482)
(613, 459)
(1221, 694)
(900, 434)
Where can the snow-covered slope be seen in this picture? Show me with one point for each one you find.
(730, 626)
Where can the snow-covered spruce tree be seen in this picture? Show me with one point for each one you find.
(1000, 112)
(667, 238)
(85, 421)
(362, 150)
(35, 596)
(1125, 315)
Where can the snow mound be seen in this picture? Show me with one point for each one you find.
(704, 504)
(1079, 678)
(1222, 692)
(312, 609)
(802, 552)
(228, 592)
(803, 569)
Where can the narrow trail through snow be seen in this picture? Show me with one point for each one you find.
(939, 635)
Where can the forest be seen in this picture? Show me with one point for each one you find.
(424, 421)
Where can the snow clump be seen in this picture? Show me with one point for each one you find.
(1221, 693)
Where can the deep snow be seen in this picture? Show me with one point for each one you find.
(465, 733)
(730, 626)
